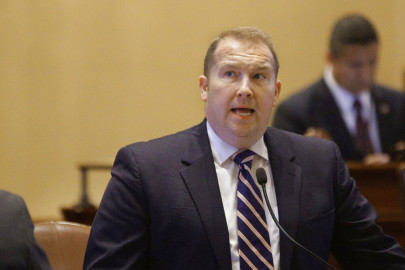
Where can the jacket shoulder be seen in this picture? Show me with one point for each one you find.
(305, 95)
(174, 140)
(308, 150)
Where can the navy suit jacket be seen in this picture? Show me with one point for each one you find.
(316, 107)
(162, 208)
(18, 247)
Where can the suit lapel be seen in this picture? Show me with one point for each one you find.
(287, 181)
(384, 119)
(327, 110)
(201, 180)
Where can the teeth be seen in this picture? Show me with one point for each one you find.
(243, 112)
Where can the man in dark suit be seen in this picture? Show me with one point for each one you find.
(18, 247)
(184, 201)
(329, 104)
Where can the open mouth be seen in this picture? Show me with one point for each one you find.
(243, 111)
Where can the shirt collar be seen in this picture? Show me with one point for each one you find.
(343, 97)
(222, 151)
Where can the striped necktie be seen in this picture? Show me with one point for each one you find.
(253, 234)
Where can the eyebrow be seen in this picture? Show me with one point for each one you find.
(231, 64)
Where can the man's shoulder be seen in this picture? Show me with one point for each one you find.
(307, 94)
(308, 150)
(172, 143)
(380, 91)
(192, 131)
(297, 112)
(14, 207)
(297, 141)
(8, 198)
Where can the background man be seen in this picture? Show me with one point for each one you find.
(191, 201)
(360, 116)
(18, 247)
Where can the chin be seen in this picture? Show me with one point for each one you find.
(245, 140)
(243, 133)
(241, 143)
(360, 88)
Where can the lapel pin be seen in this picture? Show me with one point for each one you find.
(384, 108)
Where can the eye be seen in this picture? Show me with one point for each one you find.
(229, 74)
(355, 65)
(259, 76)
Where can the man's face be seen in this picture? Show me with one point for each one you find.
(355, 68)
(240, 92)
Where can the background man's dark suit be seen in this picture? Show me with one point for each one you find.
(162, 208)
(316, 107)
(18, 247)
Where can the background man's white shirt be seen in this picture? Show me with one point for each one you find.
(345, 100)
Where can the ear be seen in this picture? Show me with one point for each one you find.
(203, 87)
(329, 58)
(277, 93)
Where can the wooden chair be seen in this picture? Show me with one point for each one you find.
(63, 242)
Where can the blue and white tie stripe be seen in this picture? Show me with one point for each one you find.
(253, 233)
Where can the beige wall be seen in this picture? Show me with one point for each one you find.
(80, 79)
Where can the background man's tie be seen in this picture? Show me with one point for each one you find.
(253, 234)
(361, 139)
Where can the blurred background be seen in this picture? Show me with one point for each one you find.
(80, 79)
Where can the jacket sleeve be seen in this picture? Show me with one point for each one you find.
(37, 257)
(18, 247)
(119, 237)
(359, 243)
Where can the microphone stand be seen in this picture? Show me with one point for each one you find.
(287, 235)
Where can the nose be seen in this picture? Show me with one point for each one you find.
(366, 75)
(245, 88)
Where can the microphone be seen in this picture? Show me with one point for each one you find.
(261, 177)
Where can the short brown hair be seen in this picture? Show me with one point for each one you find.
(351, 30)
(240, 33)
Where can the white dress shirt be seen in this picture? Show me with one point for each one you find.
(345, 100)
(227, 173)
